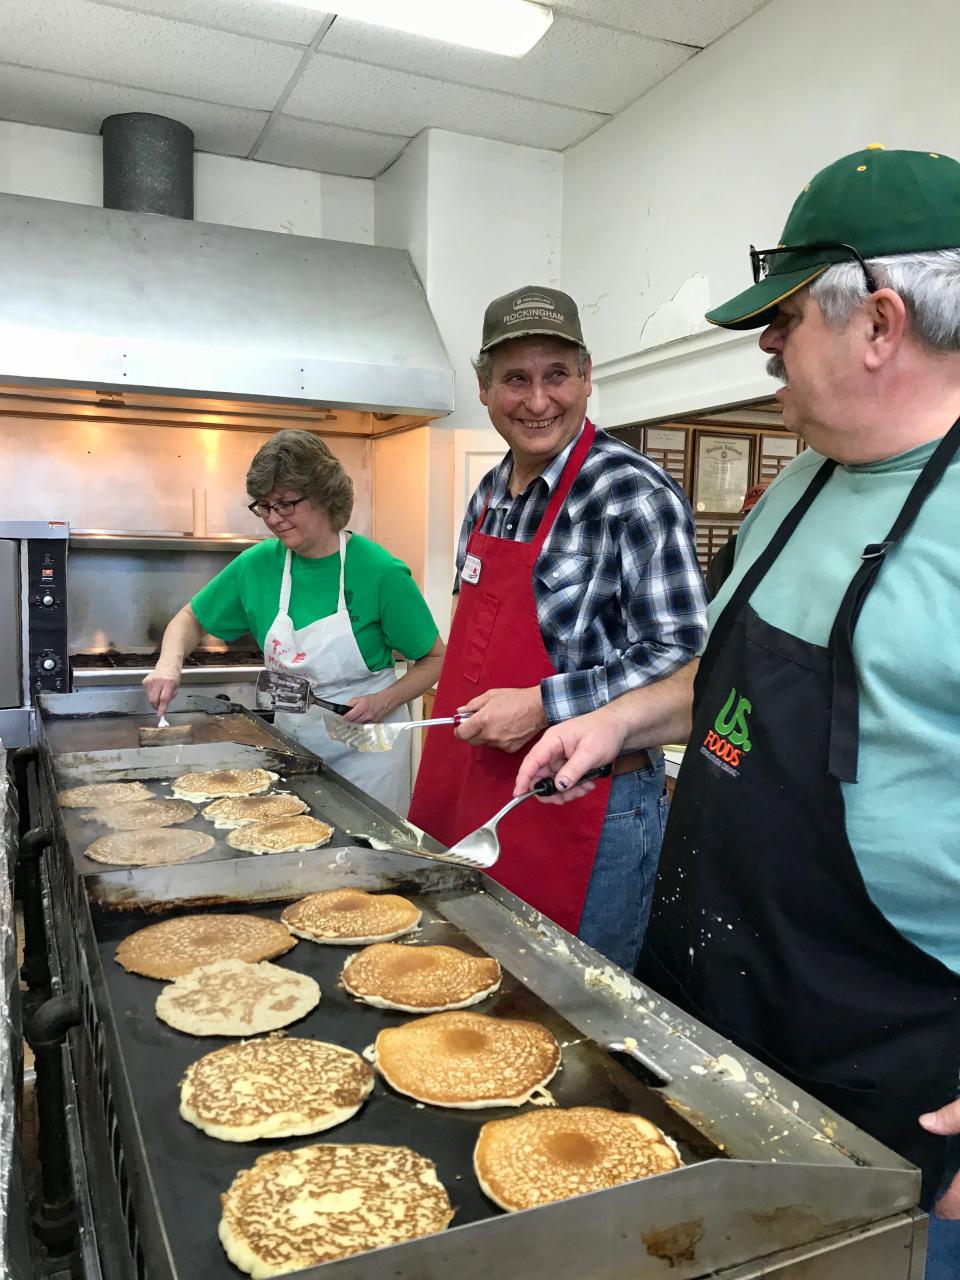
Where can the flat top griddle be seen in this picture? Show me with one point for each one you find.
(190, 1170)
(122, 732)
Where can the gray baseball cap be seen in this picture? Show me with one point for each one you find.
(532, 309)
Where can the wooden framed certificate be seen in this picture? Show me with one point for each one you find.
(722, 472)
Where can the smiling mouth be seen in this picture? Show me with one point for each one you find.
(539, 424)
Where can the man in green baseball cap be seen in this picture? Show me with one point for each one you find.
(815, 826)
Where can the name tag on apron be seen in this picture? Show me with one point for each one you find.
(471, 569)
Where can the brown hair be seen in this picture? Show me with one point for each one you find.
(300, 460)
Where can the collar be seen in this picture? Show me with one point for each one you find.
(550, 476)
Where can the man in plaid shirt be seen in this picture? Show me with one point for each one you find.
(616, 587)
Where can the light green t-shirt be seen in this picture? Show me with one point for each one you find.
(903, 812)
(386, 608)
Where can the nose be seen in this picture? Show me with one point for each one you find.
(771, 340)
(537, 398)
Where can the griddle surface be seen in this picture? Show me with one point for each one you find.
(190, 1170)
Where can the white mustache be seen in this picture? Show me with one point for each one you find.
(777, 369)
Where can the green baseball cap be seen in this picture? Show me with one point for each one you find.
(532, 309)
(866, 205)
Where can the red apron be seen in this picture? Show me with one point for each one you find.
(547, 851)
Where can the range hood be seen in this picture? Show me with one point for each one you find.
(100, 298)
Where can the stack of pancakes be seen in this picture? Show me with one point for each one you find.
(295, 1209)
(223, 782)
(351, 917)
(175, 947)
(392, 975)
(468, 1060)
(237, 811)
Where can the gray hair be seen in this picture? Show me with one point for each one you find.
(300, 460)
(483, 363)
(928, 283)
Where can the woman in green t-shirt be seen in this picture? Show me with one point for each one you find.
(324, 604)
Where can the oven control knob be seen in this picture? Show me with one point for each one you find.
(48, 662)
(46, 601)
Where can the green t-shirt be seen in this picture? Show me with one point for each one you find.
(386, 608)
(903, 812)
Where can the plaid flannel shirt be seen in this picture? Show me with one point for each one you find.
(619, 592)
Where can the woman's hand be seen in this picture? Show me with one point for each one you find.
(162, 685)
(372, 707)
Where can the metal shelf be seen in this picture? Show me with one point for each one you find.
(155, 542)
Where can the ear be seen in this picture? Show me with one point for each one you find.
(588, 375)
(483, 390)
(888, 325)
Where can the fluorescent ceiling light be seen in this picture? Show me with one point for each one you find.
(510, 27)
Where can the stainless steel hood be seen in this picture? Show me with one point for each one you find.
(100, 298)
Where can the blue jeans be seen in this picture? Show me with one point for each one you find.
(943, 1243)
(620, 892)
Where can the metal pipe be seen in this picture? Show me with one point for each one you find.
(55, 1221)
(36, 968)
(147, 164)
(23, 757)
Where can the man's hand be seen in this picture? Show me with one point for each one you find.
(569, 750)
(947, 1122)
(161, 686)
(503, 718)
(371, 708)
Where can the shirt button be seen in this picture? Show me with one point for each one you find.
(556, 573)
(509, 526)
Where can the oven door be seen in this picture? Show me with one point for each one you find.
(11, 626)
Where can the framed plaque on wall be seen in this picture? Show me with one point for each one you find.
(722, 472)
(667, 447)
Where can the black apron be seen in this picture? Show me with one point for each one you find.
(762, 926)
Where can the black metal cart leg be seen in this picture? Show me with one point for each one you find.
(56, 1221)
(36, 966)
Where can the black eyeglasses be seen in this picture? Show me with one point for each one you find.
(759, 258)
(263, 509)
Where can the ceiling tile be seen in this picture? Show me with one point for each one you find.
(305, 144)
(267, 19)
(696, 22)
(365, 97)
(67, 102)
(575, 64)
(151, 53)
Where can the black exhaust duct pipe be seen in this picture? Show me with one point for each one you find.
(147, 164)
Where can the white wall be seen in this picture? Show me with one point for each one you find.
(57, 165)
(660, 205)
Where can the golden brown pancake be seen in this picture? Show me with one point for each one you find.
(275, 1087)
(281, 835)
(143, 813)
(174, 947)
(541, 1156)
(351, 917)
(394, 975)
(223, 782)
(237, 811)
(99, 794)
(233, 998)
(467, 1060)
(296, 1209)
(157, 846)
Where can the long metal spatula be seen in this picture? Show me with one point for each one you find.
(379, 737)
(481, 848)
(280, 691)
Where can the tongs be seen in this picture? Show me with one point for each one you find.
(481, 848)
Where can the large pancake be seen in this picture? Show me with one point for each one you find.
(393, 975)
(541, 1156)
(143, 813)
(99, 794)
(350, 917)
(174, 947)
(275, 1087)
(157, 846)
(223, 782)
(281, 835)
(237, 811)
(467, 1060)
(296, 1209)
(233, 998)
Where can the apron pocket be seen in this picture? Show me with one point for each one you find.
(475, 652)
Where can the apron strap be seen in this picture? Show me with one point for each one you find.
(342, 600)
(845, 700)
(758, 570)
(285, 583)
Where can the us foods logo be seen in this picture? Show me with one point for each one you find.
(729, 739)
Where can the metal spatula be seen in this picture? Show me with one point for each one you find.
(481, 848)
(280, 691)
(378, 737)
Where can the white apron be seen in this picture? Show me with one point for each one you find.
(327, 654)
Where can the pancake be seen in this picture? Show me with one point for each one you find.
(223, 782)
(99, 794)
(296, 1209)
(174, 947)
(237, 811)
(276, 1087)
(467, 1060)
(143, 813)
(392, 975)
(541, 1156)
(233, 998)
(350, 917)
(157, 846)
(281, 835)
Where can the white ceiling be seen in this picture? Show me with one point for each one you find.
(270, 81)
